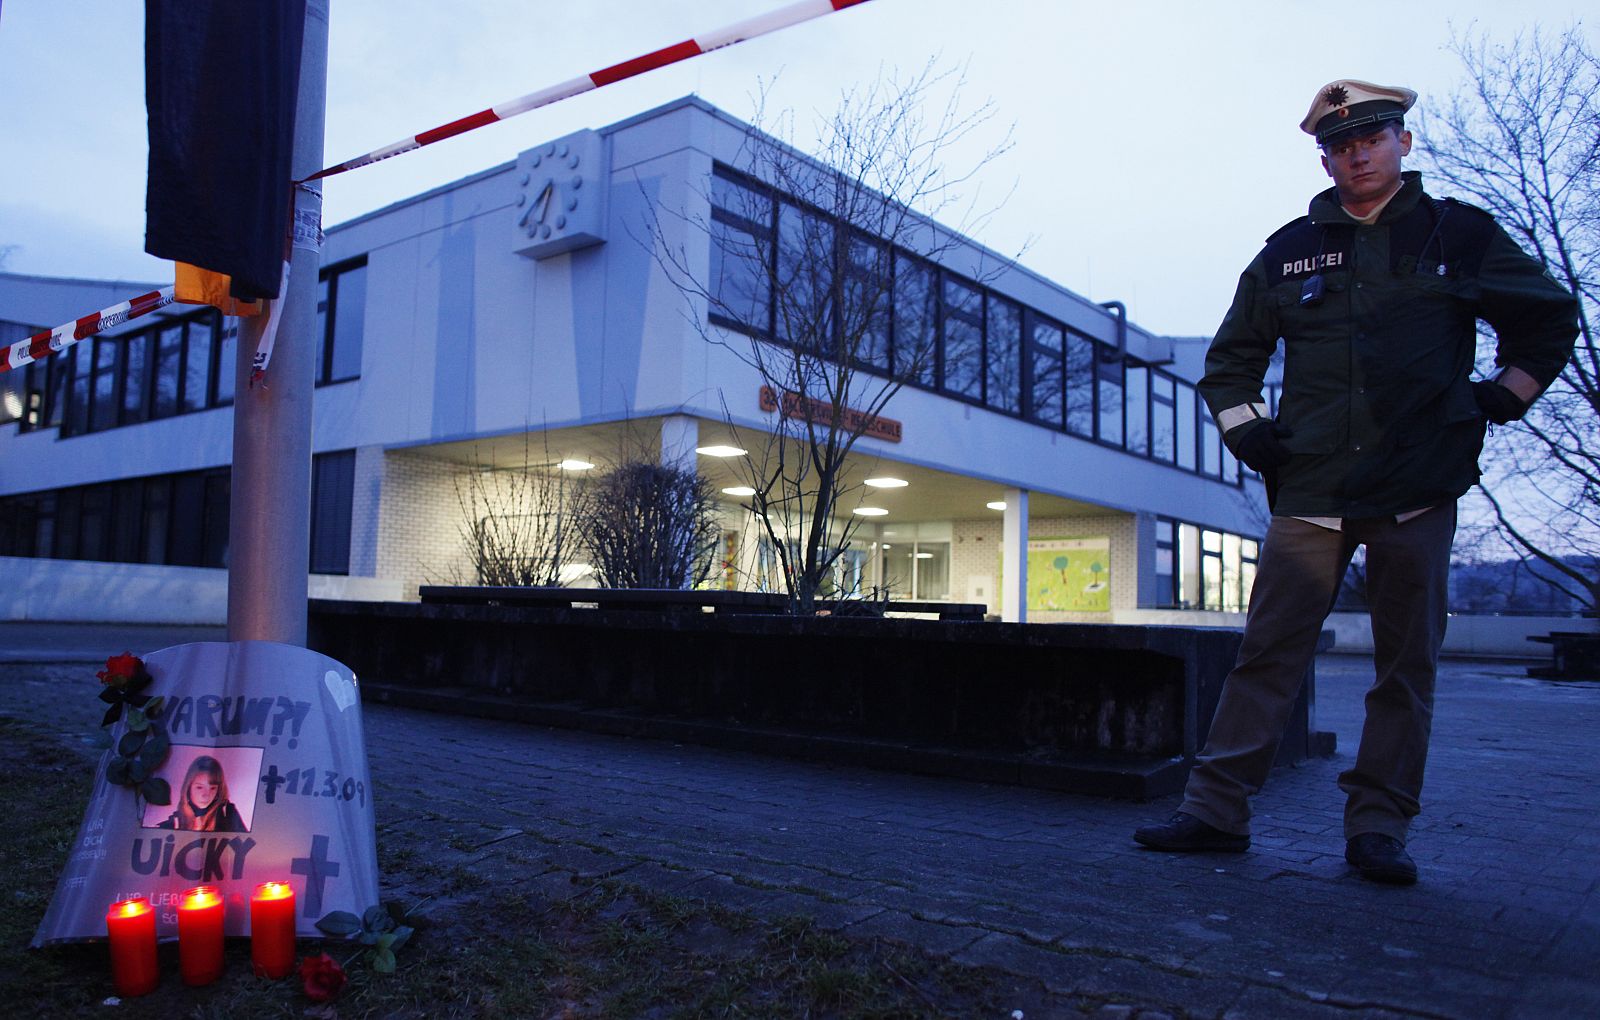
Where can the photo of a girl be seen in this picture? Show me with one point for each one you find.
(203, 803)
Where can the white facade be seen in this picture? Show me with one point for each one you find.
(476, 330)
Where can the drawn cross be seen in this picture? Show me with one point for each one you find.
(317, 868)
(272, 779)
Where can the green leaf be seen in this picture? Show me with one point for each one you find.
(111, 696)
(397, 911)
(154, 706)
(156, 790)
(99, 738)
(382, 961)
(112, 714)
(367, 938)
(402, 935)
(155, 749)
(117, 772)
(130, 743)
(377, 919)
(340, 924)
(138, 771)
(137, 720)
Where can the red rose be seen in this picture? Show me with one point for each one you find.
(121, 670)
(322, 977)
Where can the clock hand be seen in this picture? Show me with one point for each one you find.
(541, 205)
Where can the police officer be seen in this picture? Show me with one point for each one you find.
(1376, 293)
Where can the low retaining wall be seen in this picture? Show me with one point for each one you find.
(89, 591)
(1496, 637)
(1103, 709)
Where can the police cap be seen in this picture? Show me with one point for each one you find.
(1354, 107)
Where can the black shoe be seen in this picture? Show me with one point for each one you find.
(1381, 858)
(1184, 832)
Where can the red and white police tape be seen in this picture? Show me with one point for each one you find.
(772, 21)
(50, 341)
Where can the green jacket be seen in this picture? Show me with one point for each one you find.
(1376, 381)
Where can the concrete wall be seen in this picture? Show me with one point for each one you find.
(1486, 636)
(975, 557)
(77, 591)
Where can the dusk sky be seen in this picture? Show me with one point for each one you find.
(1156, 144)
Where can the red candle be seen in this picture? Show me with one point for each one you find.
(200, 935)
(272, 929)
(131, 924)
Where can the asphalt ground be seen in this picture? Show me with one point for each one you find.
(1049, 886)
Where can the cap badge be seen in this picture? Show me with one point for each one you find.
(1336, 95)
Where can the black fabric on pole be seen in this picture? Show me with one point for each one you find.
(221, 80)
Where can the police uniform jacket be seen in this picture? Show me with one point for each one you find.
(1377, 395)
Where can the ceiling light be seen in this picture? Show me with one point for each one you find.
(924, 556)
(998, 504)
(887, 483)
(720, 451)
(738, 490)
(574, 465)
(871, 511)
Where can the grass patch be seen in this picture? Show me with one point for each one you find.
(508, 948)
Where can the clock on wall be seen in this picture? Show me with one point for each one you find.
(560, 203)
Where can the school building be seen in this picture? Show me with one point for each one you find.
(527, 313)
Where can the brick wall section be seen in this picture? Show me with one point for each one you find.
(419, 522)
(975, 550)
(365, 505)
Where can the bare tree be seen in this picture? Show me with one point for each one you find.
(1521, 138)
(519, 521)
(650, 525)
(822, 279)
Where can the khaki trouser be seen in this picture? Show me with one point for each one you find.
(1296, 584)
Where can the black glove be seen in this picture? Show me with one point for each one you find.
(1497, 403)
(1261, 447)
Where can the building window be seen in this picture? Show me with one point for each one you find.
(199, 342)
(1202, 568)
(1136, 410)
(803, 288)
(1166, 561)
(1163, 418)
(783, 272)
(1210, 447)
(178, 520)
(916, 321)
(963, 339)
(1080, 385)
(1188, 435)
(332, 491)
(341, 315)
(1108, 393)
(741, 238)
(916, 570)
(1003, 356)
(867, 302)
(227, 349)
(21, 393)
(157, 371)
(1046, 393)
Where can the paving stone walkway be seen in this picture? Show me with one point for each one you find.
(1505, 922)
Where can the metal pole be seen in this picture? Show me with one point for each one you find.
(269, 527)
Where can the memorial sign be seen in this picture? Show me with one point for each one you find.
(258, 752)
